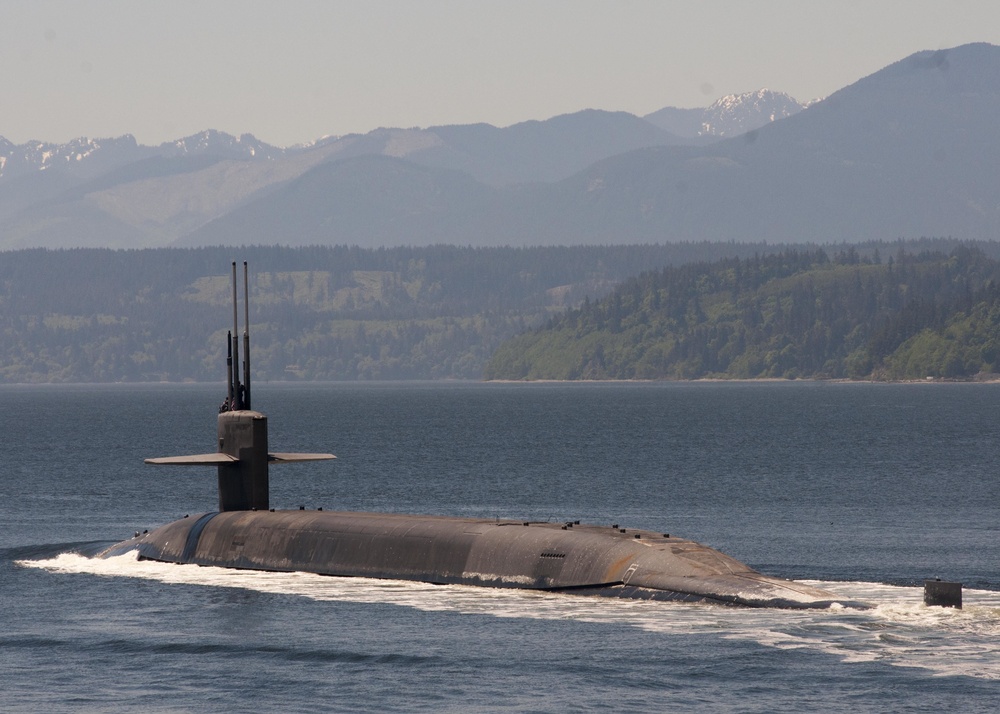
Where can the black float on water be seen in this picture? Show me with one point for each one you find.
(938, 593)
(246, 532)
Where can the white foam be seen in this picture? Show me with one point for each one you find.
(900, 630)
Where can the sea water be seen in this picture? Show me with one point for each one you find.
(862, 489)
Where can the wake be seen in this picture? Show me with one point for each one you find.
(900, 630)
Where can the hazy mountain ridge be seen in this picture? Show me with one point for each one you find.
(910, 150)
(471, 144)
(151, 201)
(728, 116)
(540, 151)
(118, 193)
(156, 195)
(88, 158)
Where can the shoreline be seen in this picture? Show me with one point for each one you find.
(991, 379)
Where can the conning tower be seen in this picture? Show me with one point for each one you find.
(242, 457)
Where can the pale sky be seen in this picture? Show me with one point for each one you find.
(290, 72)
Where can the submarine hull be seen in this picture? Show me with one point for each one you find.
(573, 558)
(590, 560)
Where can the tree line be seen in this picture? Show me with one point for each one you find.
(441, 312)
(318, 313)
(889, 312)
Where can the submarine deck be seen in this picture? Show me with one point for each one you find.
(566, 556)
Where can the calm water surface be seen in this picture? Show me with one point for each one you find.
(867, 489)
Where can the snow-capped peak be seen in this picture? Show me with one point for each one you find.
(739, 113)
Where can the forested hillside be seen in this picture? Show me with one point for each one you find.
(318, 313)
(900, 310)
(808, 313)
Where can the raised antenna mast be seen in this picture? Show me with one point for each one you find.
(237, 389)
(246, 339)
(229, 373)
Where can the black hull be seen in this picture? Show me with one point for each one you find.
(570, 558)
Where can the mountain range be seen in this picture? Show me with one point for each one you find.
(731, 115)
(911, 150)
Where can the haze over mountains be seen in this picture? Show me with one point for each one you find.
(910, 151)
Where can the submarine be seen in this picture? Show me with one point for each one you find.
(561, 557)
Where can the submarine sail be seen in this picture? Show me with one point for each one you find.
(246, 533)
(242, 456)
